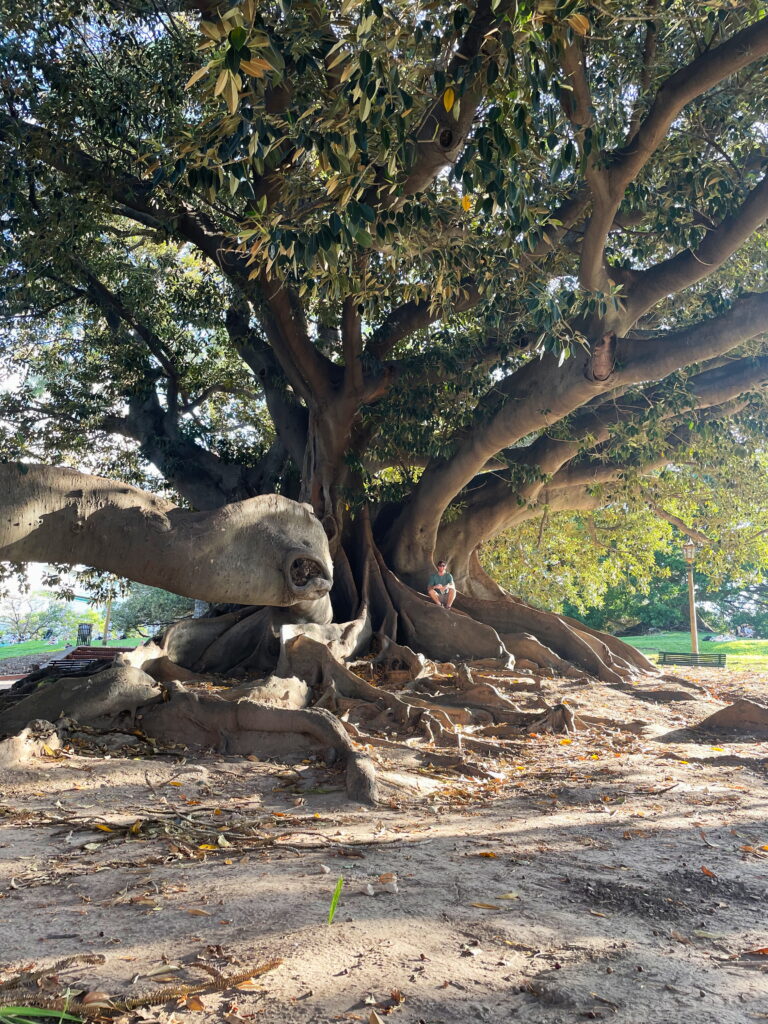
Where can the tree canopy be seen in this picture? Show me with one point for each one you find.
(465, 263)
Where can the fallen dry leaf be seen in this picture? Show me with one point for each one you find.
(485, 906)
(97, 999)
(194, 1003)
(707, 872)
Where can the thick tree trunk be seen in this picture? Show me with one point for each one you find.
(267, 550)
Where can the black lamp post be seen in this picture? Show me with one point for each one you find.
(689, 554)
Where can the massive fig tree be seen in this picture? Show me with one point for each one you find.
(436, 269)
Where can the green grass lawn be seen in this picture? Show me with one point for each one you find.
(41, 647)
(741, 653)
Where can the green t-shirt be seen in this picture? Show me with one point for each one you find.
(441, 581)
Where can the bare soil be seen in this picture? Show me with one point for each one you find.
(619, 875)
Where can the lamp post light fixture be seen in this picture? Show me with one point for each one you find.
(689, 554)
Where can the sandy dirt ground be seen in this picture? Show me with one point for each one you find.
(620, 875)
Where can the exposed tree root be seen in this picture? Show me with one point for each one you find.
(605, 658)
(207, 720)
(387, 676)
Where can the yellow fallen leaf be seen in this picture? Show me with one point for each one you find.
(597, 913)
(508, 896)
(207, 846)
(564, 742)
(485, 906)
(197, 913)
(174, 783)
(136, 827)
(105, 828)
(487, 853)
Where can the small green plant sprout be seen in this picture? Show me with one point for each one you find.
(335, 899)
(35, 1015)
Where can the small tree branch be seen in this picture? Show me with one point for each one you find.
(413, 316)
(689, 531)
(650, 46)
(623, 166)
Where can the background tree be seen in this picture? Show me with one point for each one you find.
(620, 566)
(442, 268)
(145, 607)
(41, 616)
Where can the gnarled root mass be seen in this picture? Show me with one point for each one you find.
(271, 683)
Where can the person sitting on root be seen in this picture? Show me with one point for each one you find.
(441, 587)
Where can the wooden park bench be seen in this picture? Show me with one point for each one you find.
(714, 660)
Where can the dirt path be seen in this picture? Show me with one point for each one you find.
(619, 876)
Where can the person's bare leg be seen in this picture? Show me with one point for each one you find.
(434, 595)
(450, 598)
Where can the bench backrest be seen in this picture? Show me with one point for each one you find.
(679, 658)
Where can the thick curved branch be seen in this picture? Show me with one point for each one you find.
(650, 46)
(542, 393)
(686, 268)
(623, 166)
(243, 553)
(278, 306)
(289, 416)
(710, 68)
(203, 478)
(654, 359)
(441, 136)
(352, 346)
